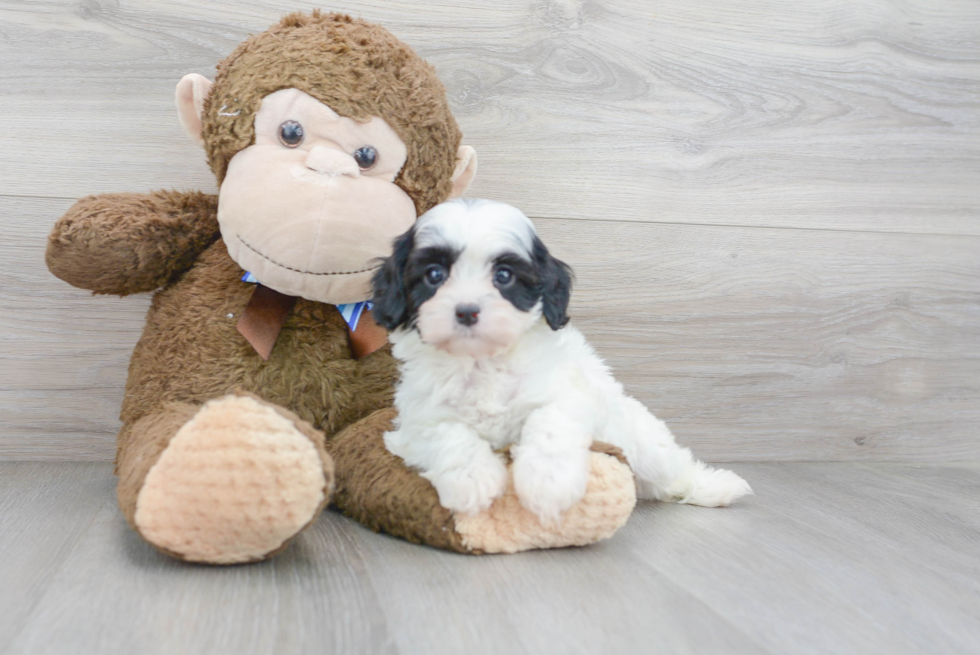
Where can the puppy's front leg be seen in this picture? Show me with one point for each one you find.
(551, 463)
(462, 467)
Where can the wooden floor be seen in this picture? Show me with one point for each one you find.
(826, 558)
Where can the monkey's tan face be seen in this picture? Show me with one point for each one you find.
(312, 204)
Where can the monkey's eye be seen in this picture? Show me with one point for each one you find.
(366, 156)
(291, 134)
(503, 276)
(435, 275)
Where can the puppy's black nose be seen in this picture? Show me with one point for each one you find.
(467, 313)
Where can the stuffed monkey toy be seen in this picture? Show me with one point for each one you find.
(260, 390)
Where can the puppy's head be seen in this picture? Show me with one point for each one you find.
(471, 276)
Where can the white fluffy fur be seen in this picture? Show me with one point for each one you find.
(462, 395)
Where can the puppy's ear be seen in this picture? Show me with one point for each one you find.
(390, 296)
(556, 282)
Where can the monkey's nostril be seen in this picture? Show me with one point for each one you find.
(466, 314)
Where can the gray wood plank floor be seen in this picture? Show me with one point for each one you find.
(826, 558)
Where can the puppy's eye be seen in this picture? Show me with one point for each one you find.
(435, 275)
(291, 134)
(366, 156)
(503, 276)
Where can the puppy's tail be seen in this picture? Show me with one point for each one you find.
(700, 484)
(668, 472)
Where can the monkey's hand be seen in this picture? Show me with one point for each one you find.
(122, 243)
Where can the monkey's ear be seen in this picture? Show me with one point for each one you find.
(465, 171)
(192, 90)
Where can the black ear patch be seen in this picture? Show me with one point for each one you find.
(556, 285)
(542, 278)
(399, 285)
(390, 296)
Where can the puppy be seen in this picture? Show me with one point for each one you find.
(476, 307)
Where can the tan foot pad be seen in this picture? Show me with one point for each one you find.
(509, 528)
(235, 484)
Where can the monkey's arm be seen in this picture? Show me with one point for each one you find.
(122, 243)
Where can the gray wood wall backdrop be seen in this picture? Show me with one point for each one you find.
(773, 206)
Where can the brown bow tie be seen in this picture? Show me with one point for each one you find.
(266, 313)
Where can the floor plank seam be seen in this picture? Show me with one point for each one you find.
(33, 197)
(604, 221)
(644, 222)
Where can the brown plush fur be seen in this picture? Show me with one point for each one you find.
(191, 352)
(359, 70)
(123, 243)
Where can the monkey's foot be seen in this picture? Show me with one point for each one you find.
(235, 484)
(508, 527)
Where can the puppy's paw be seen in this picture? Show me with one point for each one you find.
(472, 488)
(549, 484)
(711, 487)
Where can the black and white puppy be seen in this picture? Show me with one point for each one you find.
(476, 307)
